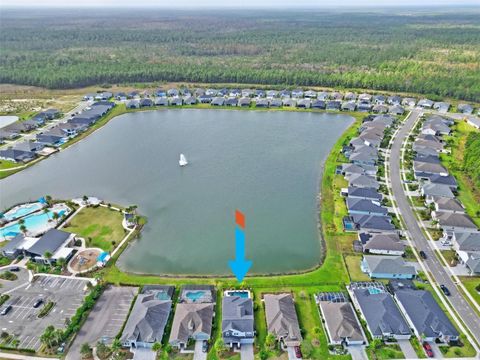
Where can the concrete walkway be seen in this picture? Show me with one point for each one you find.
(407, 349)
(358, 352)
(246, 352)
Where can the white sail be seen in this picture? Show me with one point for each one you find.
(183, 160)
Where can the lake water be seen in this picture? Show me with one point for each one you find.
(267, 164)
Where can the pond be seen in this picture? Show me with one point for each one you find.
(267, 164)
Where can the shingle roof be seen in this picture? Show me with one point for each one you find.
(468, 241)
(341, 321)
(282, 318)
(50, 241)
(191, 319)
(237, 314)
(380, 264)
(454, 220)
(390, 242)
(365, 205)
(426, 315)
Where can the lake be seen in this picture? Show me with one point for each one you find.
(267, 164)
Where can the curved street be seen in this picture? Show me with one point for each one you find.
(432, 263)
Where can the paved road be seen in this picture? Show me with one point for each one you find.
(467, 314)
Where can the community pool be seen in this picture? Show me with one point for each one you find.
(22, 210)
(35, 224)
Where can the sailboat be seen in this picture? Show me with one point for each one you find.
(183, 161)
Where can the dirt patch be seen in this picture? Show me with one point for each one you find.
(85, 259)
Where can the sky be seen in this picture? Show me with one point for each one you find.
(230, 3)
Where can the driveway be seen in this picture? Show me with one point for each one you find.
(246, 352)
(199, 354)
(291, 353)
(407, 349)
(357, 352)
(105, 320)
(436, 351)
(144, 354)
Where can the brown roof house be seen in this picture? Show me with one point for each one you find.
(282, 319)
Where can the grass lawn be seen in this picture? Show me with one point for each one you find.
(353, 267)
(450, 256)
(99, 226)
(468, 194)
(458, 351)
(418, 348)
(6, 164)
(385, 352)
(470, 283)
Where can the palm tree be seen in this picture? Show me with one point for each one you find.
(48, 336)
(23, 229)
(56, 216)
(47, 211)
(48, 199)
(156, 347)
(62, 262)
(47, 255)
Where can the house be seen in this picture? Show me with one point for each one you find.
(70, 129)
(272, 94)
(429, 168)
(105, 95)
(262, 103)
(431, 191)
(363, 193)
(425, 103)
(276, 103)
(363, 181)
(133, 104)
(51, 140)
(465, 109)
(176, 101)
(82, 121)
(428, 321)
(349, 106)
(440, 179)
(161, 101)
(334, 105)
(322, 95)
(349, 169)
(473, 263)
(474, 122)
(244, 102)
(282, 319)
(336, 96)
(364, 107)
(235, 93)
(14, 247)
(51, 114)
(211, 92)
(247, 93)
(350, 96)
(260, 93)
(445, 204)
(449, 221)
(365, 98)
(289, 103)
(121, 96)
(16, 155)
(364, 156)
(319, 104)
(466, 241)
(396, 110)
(411, 102)
(341, 323)
(191, 321)
(146, 102)
(297, 93)
(133, 95)
(441, 107)
(172, 92)
(237, 321)
(382, 244)
(310, 94)
(379, 99)
(425, 158)
(285, 94)
(30, 146)
(304, 103)
(55, 243)
(218, 101)
(89, 97)
(199, 92)
(365, 207)
(148, 317)
(387, 267)
(435, 128)
(231, 101)
(377, 307)
(394, 100)
(380, 109)
(189, 100)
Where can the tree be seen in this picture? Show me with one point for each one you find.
(47, 212)
(156, 346)
(116, 345)
(47, 255)
(86, 351)
(48, 199)
(48, 336)
(220, 346)
(102, 350)
(270, 341)
(23, 229)
(61, 262)
(55, 216)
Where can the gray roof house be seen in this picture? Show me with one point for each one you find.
(218, 101)
(384, 244)
(363, 181)
(445, 204)
(384, 319)
(13, 248)
(428, 321)
(425, 103)
(161, 101)
(304, 103)
(429, 168)
(365, 207)
(466, 241)
(348, 169)
(147, 320)
(465, 108)
(396, 110)
(363, 193)
(341, 323)
(237, 321)
(373, 223)
(387, 267)
(30, 146)
(430, 191)
(454, 221)
(282, 318)
(16, 155)
(52, 241)
(191, 321)
(473, 263)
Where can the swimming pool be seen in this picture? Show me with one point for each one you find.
(240, 293)
(35, 224)
(195, 296)
(22, 210)
(375, 291)
(162, 295)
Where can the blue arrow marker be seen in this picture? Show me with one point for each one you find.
(240, 266)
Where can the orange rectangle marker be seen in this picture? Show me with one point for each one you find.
(240, 219)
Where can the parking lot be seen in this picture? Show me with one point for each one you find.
(22, 320)
(8, 285)
(105, 320)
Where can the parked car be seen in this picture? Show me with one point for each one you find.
(205, 346)
(422, 254)
(14, 268)
(298, 352)
(37, 303)
(6, 310)
(428, 349)
(445, 290)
